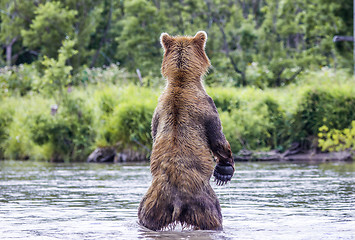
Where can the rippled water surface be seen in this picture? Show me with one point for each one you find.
(97, 201)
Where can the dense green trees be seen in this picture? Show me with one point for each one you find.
(258, 42)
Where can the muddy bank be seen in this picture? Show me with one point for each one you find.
(303, 156)
(110, 155)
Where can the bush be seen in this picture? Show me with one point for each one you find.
(251, 118)
(17, 79)
(104, 115)
(278, 128)
(337, 140)
(331, 107)
(258, 125)
(225, 99)
(18, 143)
(111, 74)
(128, 127)
(69, 135)
(107, 99)
(6, 117)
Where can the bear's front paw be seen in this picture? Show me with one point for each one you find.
(223, 173)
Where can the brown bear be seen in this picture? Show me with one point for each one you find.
(187, 137)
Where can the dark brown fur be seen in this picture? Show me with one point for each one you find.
(186, 129)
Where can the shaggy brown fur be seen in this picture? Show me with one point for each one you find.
(186, 132)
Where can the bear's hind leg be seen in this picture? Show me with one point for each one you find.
(155, 214)
(202, 214)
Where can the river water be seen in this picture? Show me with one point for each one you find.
(100, 201)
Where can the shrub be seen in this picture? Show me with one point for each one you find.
(105, 114)
(57, 74)
(278, 128)
(258, 125)
(17, 79)
(225, 99)
(6, 117)
(68, 136)
(258, 75)
(251, 118)
(107, 99)
(18, 143)
(333, 108)
(129, 124)
(112, 74)
(337, 140)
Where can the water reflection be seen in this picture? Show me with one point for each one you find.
(97, 201)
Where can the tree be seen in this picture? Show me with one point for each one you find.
(51, 25)
(84, 25)
(277, 39)
(57, 75)
(138, 43)
(292, 39)
(109, 27)
(237, 35)
(14, 16)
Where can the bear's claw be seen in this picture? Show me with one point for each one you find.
(223, 173)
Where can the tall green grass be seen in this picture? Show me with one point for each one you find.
(118, 114)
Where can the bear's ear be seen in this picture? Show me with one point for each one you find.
(166, 41)
(200, 39)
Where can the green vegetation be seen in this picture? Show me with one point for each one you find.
(110, 112)
(252, 42)
(337, 140)
(277, 77)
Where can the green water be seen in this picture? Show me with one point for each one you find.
(97, 201)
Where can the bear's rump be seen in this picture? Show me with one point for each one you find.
(168, 204)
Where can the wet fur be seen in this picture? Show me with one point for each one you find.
(187, 135)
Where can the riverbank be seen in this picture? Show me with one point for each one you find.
(109, 155)
(118, 115)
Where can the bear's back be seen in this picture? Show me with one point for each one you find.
(180, 148)
(181, 138)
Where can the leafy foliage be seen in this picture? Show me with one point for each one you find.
(266, 43)
(251, 119)
(57, 74)
(106, 113)
(337, 140)
(49, 16)
(18, 79)
(67, 135)
(112, 74)
(323, 107)
(280, 51)
(127, 121)
(6, 117)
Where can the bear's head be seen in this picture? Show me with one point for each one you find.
(184, 56)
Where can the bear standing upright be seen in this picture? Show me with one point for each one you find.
(186, 131)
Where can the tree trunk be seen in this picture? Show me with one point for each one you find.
(9, 52)
(103, 39)
(226, 49)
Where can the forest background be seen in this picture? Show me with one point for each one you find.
(76, 75)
